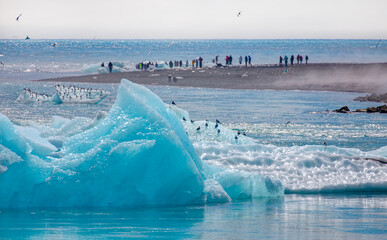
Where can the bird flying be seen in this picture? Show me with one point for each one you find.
(239, 14)
(17, 19)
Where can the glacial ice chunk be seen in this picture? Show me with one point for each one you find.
(137, 154)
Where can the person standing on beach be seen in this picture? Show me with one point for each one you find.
(291, 59)
(246, 60)
(216, 59)
(196, 62)
(306, 59)
(230, 60)
(280, 61)
(300, 59)
(110, 67)
(200, 62)
(240, 60)
(286, 60)
(193, 63)
(249, 60)
(227, 59)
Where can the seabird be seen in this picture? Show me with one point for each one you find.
(17, 19)
(206, 125)
(192, 121)
(325, 143)
(244, 134)
(217, 121)
(184, 119)
(218, 130)
(288, 122)
(216, 125)
(173, 103)
(54, 45)
(239, 14)
(197, 129)
(236, 137)
(378, 43)
(2, 63)
(239, 133)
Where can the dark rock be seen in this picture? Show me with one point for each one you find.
(373, 98)
(344, 109)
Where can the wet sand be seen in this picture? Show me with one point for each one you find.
(370, 78)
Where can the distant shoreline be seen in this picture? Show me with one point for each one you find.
(343, 77)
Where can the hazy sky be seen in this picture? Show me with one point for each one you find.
(206, 19)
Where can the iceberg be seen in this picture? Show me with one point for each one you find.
(138, 154)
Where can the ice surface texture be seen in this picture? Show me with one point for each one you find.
(138, 154)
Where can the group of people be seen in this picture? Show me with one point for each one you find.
(299, 60)
(110, 66)
(230, 58)
(145, 65)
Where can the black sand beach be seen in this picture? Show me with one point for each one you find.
(370, 78)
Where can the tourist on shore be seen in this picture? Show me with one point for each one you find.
(193, 63)
(196, 62)
(300, 59)
(240, 60)
(186, 63)
(246, 59)
(230, 60)
(291, 59)
(170, 64)
(110, 67)
(280, 61)
(249, 57)
(200, 62)
(306, 59)
(286, 60)
(227, 60)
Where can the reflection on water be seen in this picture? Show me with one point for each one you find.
(294, 217)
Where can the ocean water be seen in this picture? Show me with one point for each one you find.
(65, 175)
(38, 59)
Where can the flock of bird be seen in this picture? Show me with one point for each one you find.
(78, 93)
(206, 126)
(64, 94)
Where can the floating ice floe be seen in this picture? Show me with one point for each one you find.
(64, 94)
(137, 154)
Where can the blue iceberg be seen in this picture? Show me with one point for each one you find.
(138, 154)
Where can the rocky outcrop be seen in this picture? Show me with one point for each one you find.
(380, 109)
(373, 98)
(344, 109)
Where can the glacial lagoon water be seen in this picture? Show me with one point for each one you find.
(339, 194)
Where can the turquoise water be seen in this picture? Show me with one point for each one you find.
(293, 217)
